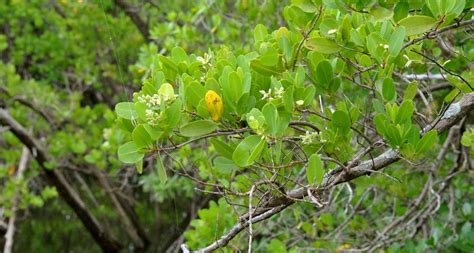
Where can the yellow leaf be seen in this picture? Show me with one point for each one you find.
(11, 170)
(214, 105)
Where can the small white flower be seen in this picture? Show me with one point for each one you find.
(299, 102)
(149, 113)
(332, 31)
(155, 100)
(385, 46)
(279, 92)
(200, 59)
(266, 95)
(309, 137)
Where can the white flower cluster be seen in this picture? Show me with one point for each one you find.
(204, 60)
(153, 102)
(150, 101)
(152, 116)
(272, 94)
(311, 137)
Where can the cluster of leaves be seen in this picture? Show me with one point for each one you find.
(63, 65)
(307, 97)
(235, 96)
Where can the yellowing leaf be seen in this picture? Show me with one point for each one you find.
(214, 105)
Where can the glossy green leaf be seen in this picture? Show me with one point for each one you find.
(248, 150)
(427, 141)
(396, 41)
(322, 45)
(198, 128)
(400, 11)
(140, 137)
(128, 153)
(271, 117)
(126, 110)
(405, 111)
(264, 69)
(388, 90)
(417, 24)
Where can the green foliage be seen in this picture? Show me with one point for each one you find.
(223, 96)
(212, 222)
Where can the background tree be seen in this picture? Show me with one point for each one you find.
(346, 123)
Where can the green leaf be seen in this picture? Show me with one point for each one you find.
(322, 45)
(396, 41)
(236, 85)
(400, 11)
(259, 33)
(128, 153)
(341, 120)
(405, 111)
(194, 92)
(198, 128)
(315, 170)
(271, 117)
(417, 24)
(276, 246)
(434, 6)
(388, 90)
(224, 165)
(160, 169)
(381, 14)
(168, 64)
(222, 148)
(379, 122)
(173, 115)
(141, 137)
(126, 110)
(248, 150)
(393, 136)
(154, 131)
(139, 165)
(263, 69)
(427, 141)
(306, 6)
(324, 73)
(410, 91)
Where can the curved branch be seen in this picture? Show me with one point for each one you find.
(132, 12)
(275, 205)
(433, 34)
(105, 240)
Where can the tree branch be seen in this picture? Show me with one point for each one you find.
(132, 12)
(105, 240)
(432, 35)
(11, 222)
(275, 205)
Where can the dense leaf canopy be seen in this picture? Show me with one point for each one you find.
(250, 125)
